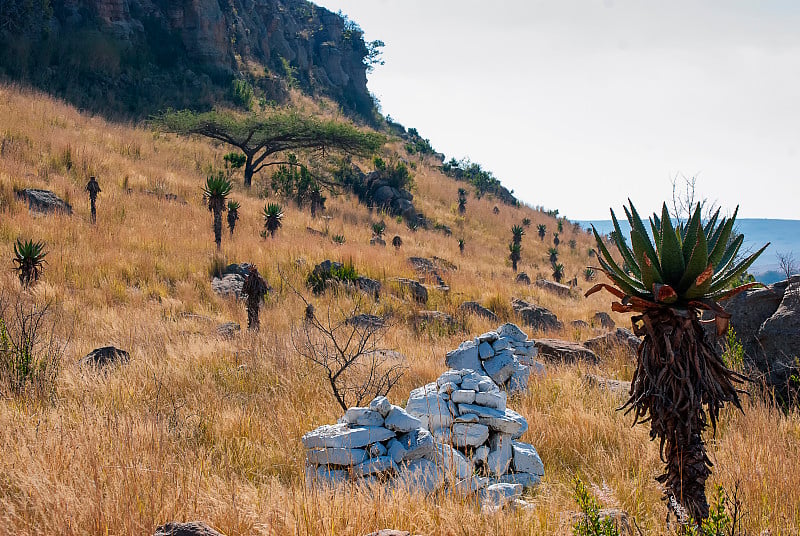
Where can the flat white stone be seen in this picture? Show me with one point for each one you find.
(484, 386)
(450, 376)
(526, 459)
(363, 417)
(513, 332)
(489, 336)
(500, 454)
(500, 367)
(518, 382)
(469, 434)
(344, 436)
(470, 384)
(417, 443)
(336, 456)
(322, 475)
(396, 450)
(400, 421)
(485, 350)
(420, 475)
(468, 417)
(496, 496)
(500, 344)
(429, 407)
(526, 480)
(463, 396)
(380, 404)
(464, 357)
(453, 461)
(375, 466)
(492, 399)
(447, 388)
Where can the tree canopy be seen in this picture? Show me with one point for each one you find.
(260, 137)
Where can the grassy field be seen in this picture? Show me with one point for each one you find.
(201, 427)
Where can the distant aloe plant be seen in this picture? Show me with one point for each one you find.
(378, 229)
(589, 273)
(273, 216)
(233, 215)
(558, 272)
(526, 222)
(517, 232)
(461, 245)
(216, 191)
(93, 188)
(515, 254)
(462, 200)
(397, 242)
(556, 240)
(29, 258)
(553, 253)
(255, 287)
(542, 229)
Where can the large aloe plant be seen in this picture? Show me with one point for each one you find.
(680, 382)
(29, 259)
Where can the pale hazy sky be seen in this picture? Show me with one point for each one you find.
(577, 105)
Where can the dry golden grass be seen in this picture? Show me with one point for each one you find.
(199, 427)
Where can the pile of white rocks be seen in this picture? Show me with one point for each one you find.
(505, 355)
(455, 435)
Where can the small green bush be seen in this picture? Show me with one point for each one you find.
(318, 280)
(590, 522)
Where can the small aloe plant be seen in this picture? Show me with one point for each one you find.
(29, 258)
(273, 218)
(233, 215)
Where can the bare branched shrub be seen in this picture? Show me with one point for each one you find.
(788, 264)
(30, 354)
(345, 342)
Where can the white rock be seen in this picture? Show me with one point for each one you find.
(480, 455)
(470, 384)
(381, 404)
(417, 443)
(516, 430)
(376, 450)
(400, 421)
(501, 344)
(489, 336)
(375, 466)
(525, 349)
(499, 454)
(453, 461)
(511, 331)
(336, 456)
(492, 399)
(526, 480)
(470, 485)
(396, 450)
(501, 494)
(429, 407)
(518, 382)
(420, 475)
(464, 357)
(321, 475)
(484, 386)
(450, 376)
(469, 417)
(447, 388)
(452, 408)
(485, 350)
(469, 434)
(507, 422)
(463, 396)
(526, 459)
(500, 367)
(344, 436)
(363, 417)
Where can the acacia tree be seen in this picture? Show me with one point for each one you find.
(261, 137)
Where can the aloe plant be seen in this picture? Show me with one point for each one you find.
(461, 245)
(553, 254)
(216, 191)
(680, 383)
(93, 188)
(542, 229)
(255, 288)
(517, 232)
(29, 258)
(233, 215)
(273, 216)
(558, 272)
(515, 254)
(462, 201)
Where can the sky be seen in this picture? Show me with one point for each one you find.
(578, 105)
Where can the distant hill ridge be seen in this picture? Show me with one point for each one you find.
(130, 58)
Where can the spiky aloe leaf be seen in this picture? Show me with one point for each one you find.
(672, 265)
(720, 244)
(650, 273)
(694, 227)
(616, 273)
(710, 225)
(649, 249)
(730, 276)
(624, 250)
(664, 293)
(730, 256)
(697, 262)
(701, 285)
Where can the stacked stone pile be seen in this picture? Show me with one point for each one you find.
(505, 355)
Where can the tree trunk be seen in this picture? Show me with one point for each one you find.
(248, 170)
(217, 227)
(94, 211)
(253, 306)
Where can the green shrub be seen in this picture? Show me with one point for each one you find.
(242, 93)
(591, 523)
(319, 279)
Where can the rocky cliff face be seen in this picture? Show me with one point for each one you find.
(131, 48)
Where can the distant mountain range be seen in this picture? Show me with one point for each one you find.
(783, 235)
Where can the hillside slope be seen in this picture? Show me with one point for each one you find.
(198, 426)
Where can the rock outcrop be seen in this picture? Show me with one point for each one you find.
(478, 309)
(105, 356)
(552, 286)
(535, 316)
(619, 338)
(564, 351)
(43, 201)
(192, 528)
